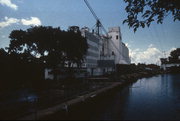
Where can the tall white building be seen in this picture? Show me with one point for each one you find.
(117, 47)
(103, 52)
(93, 52)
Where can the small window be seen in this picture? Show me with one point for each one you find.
(117, 37)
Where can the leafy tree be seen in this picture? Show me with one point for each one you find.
(3, 53)
(142, 13)
(175, 53)
(50, 46)
(75, 46)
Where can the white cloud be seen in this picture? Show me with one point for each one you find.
(149, 56)
(8, 22)
(8, 3)
(33, 21)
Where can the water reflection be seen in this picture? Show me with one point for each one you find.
(156, 98)
(23, 95)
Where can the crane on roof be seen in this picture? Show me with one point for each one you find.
(98, 22)
(99, 26)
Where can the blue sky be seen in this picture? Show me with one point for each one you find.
(146, 45)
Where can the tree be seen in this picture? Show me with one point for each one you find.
(50, 46)
(3, 53)
(75, 46)
(14, 71)
(142, 13)
(175, 53)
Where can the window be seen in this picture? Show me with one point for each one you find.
(117, 37)
(113, 53)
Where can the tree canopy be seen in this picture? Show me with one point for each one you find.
(175, 53)
(31, 51)
(142, 13)
(49, 45)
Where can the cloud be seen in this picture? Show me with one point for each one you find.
(33, 21)
(8, 22)
(149, 56)
(8, 3)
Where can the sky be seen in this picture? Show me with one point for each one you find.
(145, 46)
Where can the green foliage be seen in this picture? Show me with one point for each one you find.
(52, 45)
(142, 13)
(174, 69)
(174, 56)
(17, 73)
(175, 53)
(31, 51)
(123, 69)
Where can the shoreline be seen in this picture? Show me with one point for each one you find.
(122, 81)
(64, 106)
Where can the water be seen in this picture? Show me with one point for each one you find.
(16, 103)
(23, 95)
(155, 98)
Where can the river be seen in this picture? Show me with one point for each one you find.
(155, 98)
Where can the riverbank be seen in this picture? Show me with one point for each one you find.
(152, 98)
(64, 106)
(78, 99)
(139, 75)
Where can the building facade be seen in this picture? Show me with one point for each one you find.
(117, 47)
(93, 52)
(103, 53)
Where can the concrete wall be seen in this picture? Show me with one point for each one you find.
(101, 48)
(115, 35)
(93, 52)
(119, 48)
(125, 55)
